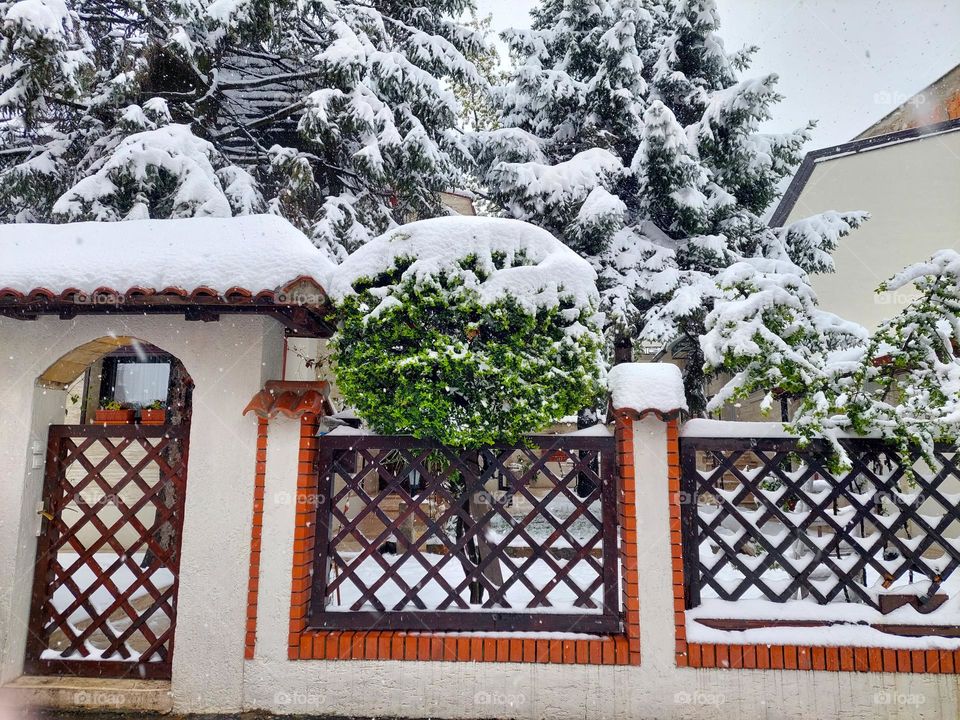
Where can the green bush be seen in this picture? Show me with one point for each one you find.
(433, 358)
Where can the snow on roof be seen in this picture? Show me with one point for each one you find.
(552, 270)
(253, 252)
(646, 386)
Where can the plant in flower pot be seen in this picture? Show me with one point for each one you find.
(154, 414)
(114, 412)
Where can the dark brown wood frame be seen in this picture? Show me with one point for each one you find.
(581, 449)
(298, 320)
(52, 536)
(772, 454)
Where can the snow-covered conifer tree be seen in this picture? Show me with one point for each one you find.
(627, 132)
(766, 329)
(905, 382)
(335, 114)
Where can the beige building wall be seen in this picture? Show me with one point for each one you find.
(912, 191)
(229, 361)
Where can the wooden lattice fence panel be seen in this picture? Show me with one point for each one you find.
(414, 535)
(108, 556)
(764, 518)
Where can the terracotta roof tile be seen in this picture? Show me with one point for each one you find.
(291, 398)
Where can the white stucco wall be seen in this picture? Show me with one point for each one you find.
(229, 361)
(912, 191)
(209, 671)
(471, 690)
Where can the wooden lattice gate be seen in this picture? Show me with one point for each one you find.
(108, 556)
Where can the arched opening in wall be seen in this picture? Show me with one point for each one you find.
(118, 411)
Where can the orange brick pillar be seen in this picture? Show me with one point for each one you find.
(626, 472)
(256, 537)
(300, 644)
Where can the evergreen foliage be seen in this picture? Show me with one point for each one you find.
(905, 382)
(442, 345)
(627, 132)
(335, 114)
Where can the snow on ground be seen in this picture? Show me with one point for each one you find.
(851, 619)
(850, 616)
(830, 636)
(646, 386)
(513, 257)
(101, 598)
(412, 572)
(255, 252)
(702, 427)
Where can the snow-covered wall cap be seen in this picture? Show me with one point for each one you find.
(253, 252)
(552, 270)
(647, 387)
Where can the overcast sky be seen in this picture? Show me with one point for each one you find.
(846, 63)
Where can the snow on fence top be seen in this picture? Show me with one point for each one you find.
(254, 252)
(646, 386)
(703, 427)
(546, 270)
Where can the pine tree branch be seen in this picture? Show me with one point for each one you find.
(265, 120)
(269, 80)
(68, 103)
(23, 150)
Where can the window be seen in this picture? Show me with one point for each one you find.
(135, 379)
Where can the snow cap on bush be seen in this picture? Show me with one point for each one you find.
(507, 257)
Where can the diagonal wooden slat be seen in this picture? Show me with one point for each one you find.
(453, 552)
(871, 519)
(78, 524)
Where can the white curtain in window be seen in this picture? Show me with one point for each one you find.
(142, 383)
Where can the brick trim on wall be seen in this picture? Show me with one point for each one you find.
(256, 531)
(778, 657)
(626, 469)
(305, 644)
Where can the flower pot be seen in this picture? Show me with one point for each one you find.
(153, 417)
(114, 417)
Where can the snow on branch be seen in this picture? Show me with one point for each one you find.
(168, 169)
(541, 187)
(494, 257)
(810, 242)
